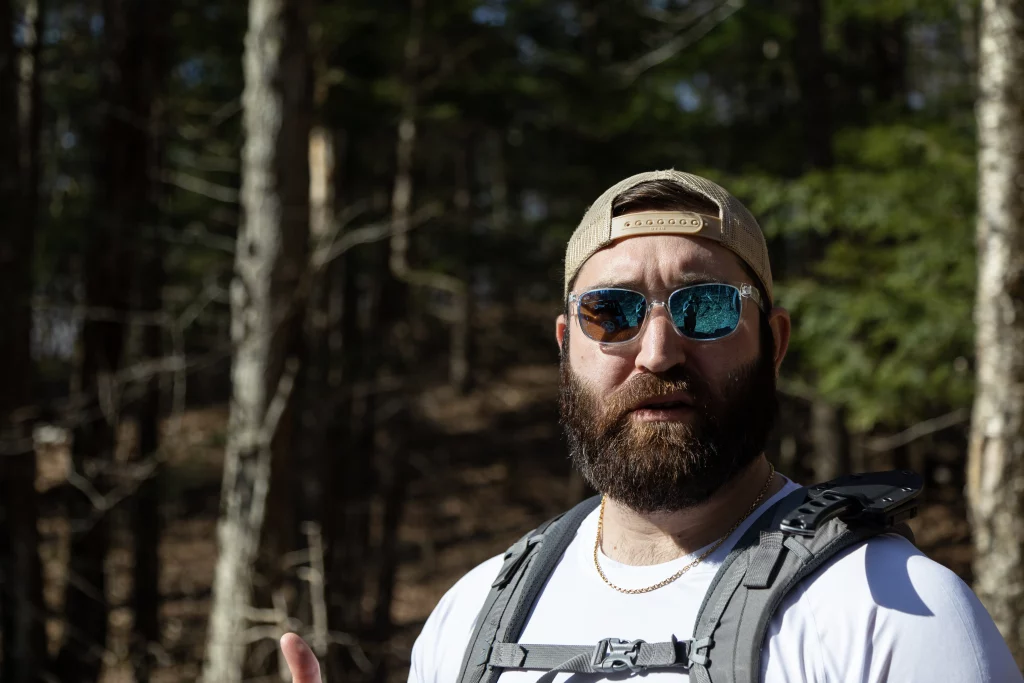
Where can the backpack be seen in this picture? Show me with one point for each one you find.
(785, 544)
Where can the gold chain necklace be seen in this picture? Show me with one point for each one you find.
(703, 556)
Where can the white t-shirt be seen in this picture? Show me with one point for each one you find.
(880, 611)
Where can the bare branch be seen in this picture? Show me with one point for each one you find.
(197, 235)
(921, 429)
(315, 574)
(279, 402)
(255, 633)
(797, 389)
(263, 615)
(96, 499)
(694, 32)
(200, 186)
(375, 232)
(104, 314)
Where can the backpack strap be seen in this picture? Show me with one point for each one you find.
(610, 656)
(528, 564)
(787, 543)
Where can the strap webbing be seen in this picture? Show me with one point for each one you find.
(703, 636)
(523, 656)
(474, 662)
(527, 566)
(580, 664)
(554, 659)
(766, 557)
(549, 554)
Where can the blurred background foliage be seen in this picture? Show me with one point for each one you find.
(527, 109)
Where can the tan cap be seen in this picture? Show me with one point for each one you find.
(735, 227)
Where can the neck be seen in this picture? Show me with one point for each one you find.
(638, 538)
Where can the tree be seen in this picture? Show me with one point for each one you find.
(21, 613)
(270, 261)
(995, 472)
(122, 203)
(401, 204)
(151, 31)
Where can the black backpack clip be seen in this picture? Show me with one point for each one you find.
(881, 499)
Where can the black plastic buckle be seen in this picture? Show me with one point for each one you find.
(876, 498)
(615, 655)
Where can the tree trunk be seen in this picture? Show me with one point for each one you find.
(889, 54)
(319, 391)
(390, 442)
(460, 352)
(318, 395)
(322, 396)
(145, 518)
(394, 480)
(995, 472)
(122, 188)
(831, 441)
(498, 181)
(352, 477)
(401, 208)
(270, 259)
(21, 606)
(811, 73)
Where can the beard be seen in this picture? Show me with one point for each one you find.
(668, 466)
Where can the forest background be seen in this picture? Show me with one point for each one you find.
(284, 275)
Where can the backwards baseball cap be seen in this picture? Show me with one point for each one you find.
(734, 227)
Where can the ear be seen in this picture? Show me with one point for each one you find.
(561, 327)
(778, 319)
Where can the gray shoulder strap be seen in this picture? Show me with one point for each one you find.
(528, 564)
(788, 542)
(782, 547)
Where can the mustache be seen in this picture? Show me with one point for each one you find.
(647, 386)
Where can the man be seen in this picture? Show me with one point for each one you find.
(670, 348)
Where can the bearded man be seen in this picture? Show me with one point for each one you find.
(670, 348)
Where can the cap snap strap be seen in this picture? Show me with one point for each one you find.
(666, 222)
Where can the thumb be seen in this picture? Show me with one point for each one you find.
(301, 661)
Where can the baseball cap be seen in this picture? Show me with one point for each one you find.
(734, 228)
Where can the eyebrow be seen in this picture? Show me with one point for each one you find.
(683, 280)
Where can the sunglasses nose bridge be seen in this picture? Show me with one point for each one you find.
(664, 306)
(650, 314)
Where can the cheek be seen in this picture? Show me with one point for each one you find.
(602, 371)
(716, 361)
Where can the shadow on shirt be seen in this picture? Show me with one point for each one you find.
(886, 562)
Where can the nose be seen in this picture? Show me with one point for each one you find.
(661, 347)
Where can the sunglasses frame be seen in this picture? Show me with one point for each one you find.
(745, 291)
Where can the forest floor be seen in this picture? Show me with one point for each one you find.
(496, 468)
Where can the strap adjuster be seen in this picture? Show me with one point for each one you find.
(697, 657)
(615, 655)
(514, 557)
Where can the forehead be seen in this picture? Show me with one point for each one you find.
(660, 262)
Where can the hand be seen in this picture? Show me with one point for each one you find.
(301, 660)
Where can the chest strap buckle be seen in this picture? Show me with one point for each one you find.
(615, 655)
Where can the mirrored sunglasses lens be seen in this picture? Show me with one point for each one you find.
(705, 312)
(611, 315)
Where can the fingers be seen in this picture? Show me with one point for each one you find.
(301, 660)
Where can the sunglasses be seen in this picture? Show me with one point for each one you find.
(701, 312)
